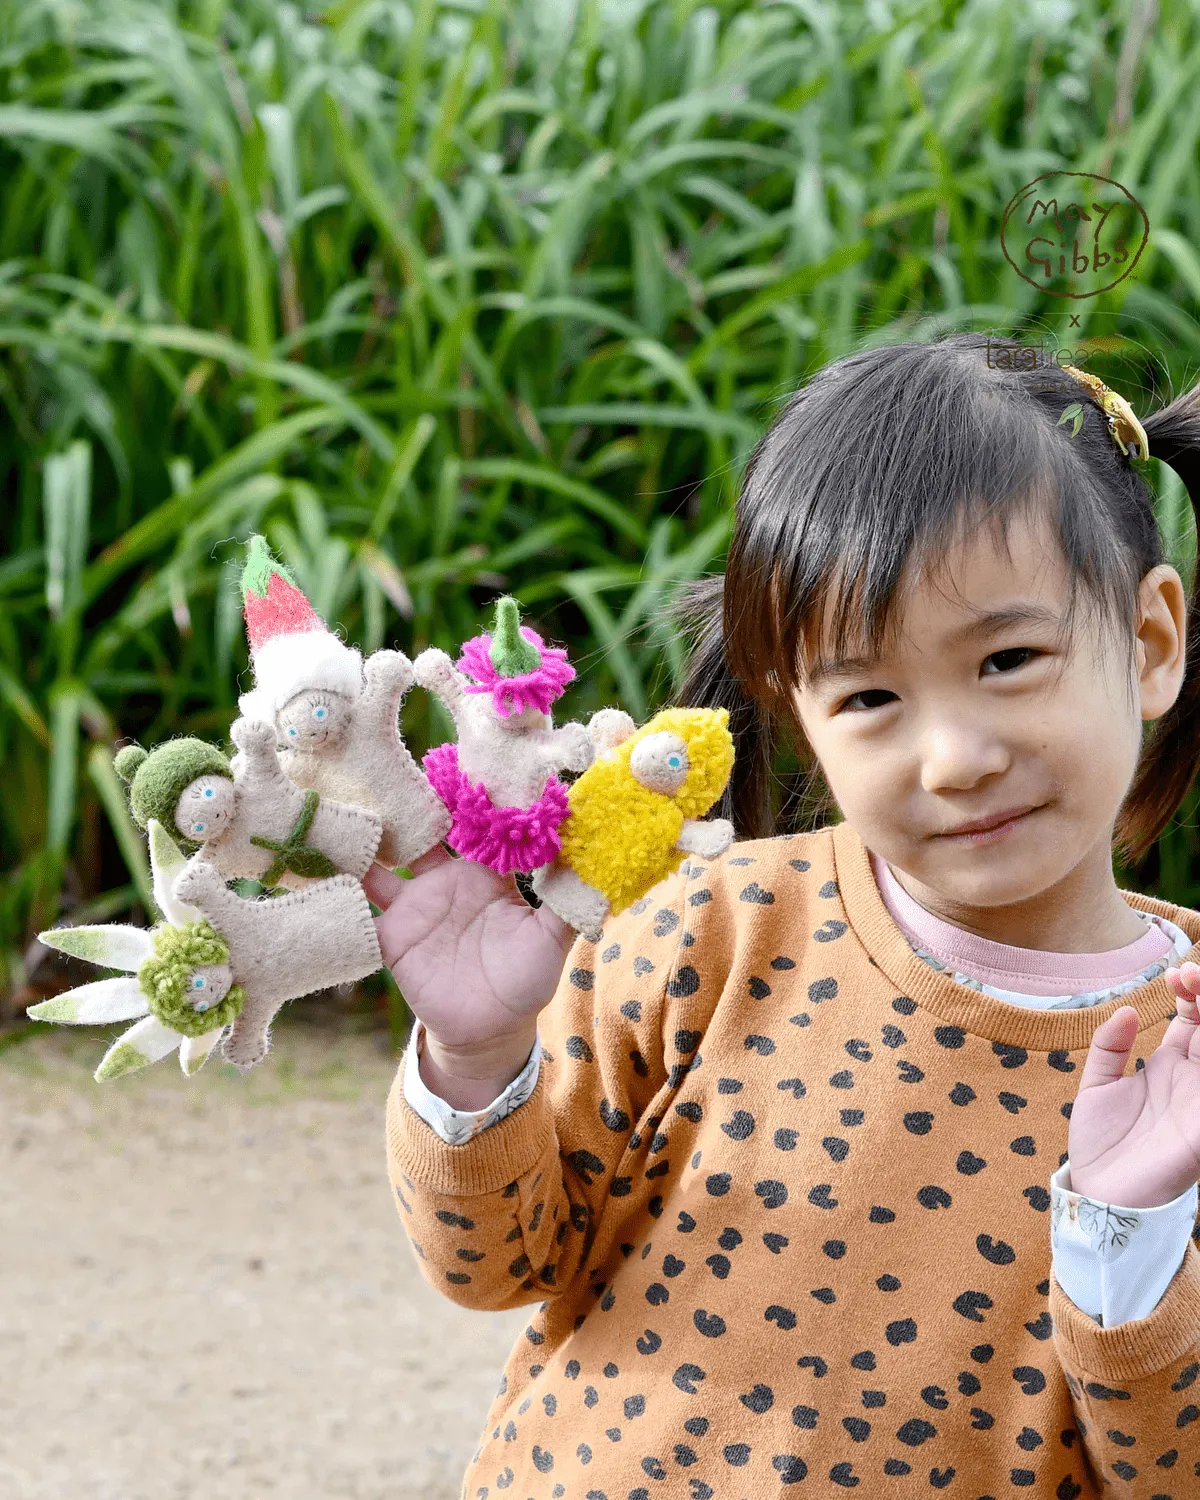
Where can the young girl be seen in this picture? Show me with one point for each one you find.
(863, 1157)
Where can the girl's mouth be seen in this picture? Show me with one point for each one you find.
(990, 830)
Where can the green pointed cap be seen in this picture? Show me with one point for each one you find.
(510, 653)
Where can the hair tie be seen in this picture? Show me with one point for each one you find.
(1127, 432)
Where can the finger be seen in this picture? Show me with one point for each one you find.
(438, 855)
(1171, 975)
(1189, 978)
(382, 886)
(1112, 1043)
(562, 933)
(1181, 1033)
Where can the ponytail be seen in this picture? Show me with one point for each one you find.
(1172, 753)
(749, 800)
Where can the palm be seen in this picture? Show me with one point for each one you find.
(472, 958)
(1135, 1138)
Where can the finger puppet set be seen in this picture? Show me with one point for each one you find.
(322, 784)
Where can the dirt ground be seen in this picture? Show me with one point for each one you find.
(205, 1290)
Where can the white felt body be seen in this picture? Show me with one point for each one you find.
(267, 804)
(284, 946)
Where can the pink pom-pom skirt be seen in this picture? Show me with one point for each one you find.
(502, 838)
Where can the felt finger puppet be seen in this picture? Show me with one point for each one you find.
(336, 720)
(499, 781)
(250, 821)
(218, 966)
(178, 986)
(637, 810)
(282, 947)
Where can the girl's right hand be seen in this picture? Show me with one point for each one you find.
(475, 962)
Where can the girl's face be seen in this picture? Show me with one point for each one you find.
(978, 713)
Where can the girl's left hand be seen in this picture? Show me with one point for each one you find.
(1134, 1141)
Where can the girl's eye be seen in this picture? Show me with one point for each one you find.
(880, 697)
(1005, 659)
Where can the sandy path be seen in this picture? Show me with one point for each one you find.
(205, 1290)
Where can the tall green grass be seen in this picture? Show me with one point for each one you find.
(454, 296)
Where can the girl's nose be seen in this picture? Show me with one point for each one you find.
(958, 756)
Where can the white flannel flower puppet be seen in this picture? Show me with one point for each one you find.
(178, 989)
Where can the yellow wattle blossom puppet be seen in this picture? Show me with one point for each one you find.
(636, 811)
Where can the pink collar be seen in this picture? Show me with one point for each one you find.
(1031, 971)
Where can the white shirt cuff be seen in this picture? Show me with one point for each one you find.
(457, 1126)
(1115, 1263)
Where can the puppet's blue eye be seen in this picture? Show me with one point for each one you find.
(199, 982)
(292, 733)
(197, 827)
(208, 791)
(320, 713)
(674, 762)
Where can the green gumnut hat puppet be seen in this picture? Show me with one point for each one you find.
(252, 823)
(336, 718)
(158, 780)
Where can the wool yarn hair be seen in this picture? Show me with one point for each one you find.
(622, 836)
(505, 839)
(157, 780)
(515, 665)
(164, 978)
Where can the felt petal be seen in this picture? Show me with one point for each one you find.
(94, 1004)
(145, 1042)
(167, 863)
(113, 946)
(196, 1050)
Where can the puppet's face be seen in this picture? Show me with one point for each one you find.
(660, 762)
(527, 721)
(315, 720)
(207, 985)
(204, 808)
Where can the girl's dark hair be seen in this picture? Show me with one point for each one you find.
(884, 456)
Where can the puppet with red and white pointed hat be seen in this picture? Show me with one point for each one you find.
(335, 716)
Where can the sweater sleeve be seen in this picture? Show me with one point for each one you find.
(457, 1126)
(1135, 1387)
(511, 1216)
(1115, 1263)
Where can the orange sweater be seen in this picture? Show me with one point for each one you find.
(781, 1192)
